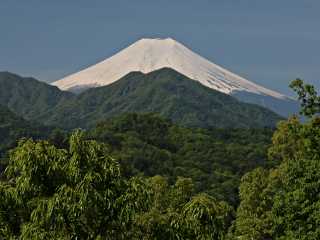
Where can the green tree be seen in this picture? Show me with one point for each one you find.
(310, 101)
(55, 194)
(176, 213)
(257, 191)
(295, 214)
(205, 218)
(284, 203)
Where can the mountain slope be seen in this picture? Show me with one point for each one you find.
(13, 128)
(165, 92)
(29, 97)
(215, 158)
(147, 55)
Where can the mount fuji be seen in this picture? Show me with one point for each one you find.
(147, 55)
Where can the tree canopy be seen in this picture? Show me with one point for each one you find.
(55, 194)
(284, 202)
(307, 94)
(81, 193)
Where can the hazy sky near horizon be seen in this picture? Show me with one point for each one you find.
(269, 42)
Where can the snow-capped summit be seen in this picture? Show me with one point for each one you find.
(147, 55)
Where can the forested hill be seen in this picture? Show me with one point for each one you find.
(80, 191)
(165, 92)
(27, 96)
(215, 158)
(148, 144)
(14, 127)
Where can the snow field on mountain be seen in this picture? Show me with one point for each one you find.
(147, 55)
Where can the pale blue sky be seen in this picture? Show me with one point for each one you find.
(267, 42)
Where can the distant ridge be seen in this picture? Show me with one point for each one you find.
(165, 92)
(29, 97)
(12, 128)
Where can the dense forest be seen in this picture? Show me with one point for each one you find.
(14, 127)
(141, 176)
(215, 159)
(147, 145)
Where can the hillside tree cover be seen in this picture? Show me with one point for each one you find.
(187, 102)
(173, 183)
(29, 97)
(80, 194)
(56, 194)
(147, 145)
(215, 159)
(177, 213)
(284, 203)
(14, 127)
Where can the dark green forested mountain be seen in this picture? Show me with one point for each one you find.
(29, 97)
(165, 92)
(215, 158)
(147, 144)
(80, 191)
(14, 127)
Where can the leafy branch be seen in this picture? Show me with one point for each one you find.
(310, 101)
